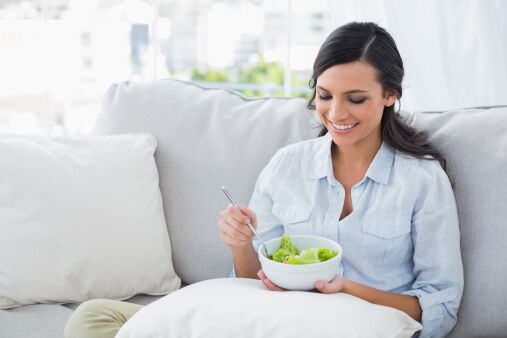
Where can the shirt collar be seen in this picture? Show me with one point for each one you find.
(379, 169)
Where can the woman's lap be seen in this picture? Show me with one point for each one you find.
(99, 318)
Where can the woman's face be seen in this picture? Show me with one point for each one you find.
(350, 102)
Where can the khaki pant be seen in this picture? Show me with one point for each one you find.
(99, 318)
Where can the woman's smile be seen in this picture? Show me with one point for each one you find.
(342, 129)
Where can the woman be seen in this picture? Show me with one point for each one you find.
(370, 182)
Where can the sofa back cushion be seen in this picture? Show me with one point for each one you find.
(206, 138)
(474, 143)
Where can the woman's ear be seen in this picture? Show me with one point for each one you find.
(390, 98)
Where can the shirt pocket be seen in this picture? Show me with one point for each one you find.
(386, 240)
(295, 217)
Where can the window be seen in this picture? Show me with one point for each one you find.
(58, 57)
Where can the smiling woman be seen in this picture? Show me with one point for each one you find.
(366, 82)
(353, 112)
(370, 181)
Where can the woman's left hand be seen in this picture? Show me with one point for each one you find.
(269, 284)
(335, 285)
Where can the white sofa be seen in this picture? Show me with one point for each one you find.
(211, 137)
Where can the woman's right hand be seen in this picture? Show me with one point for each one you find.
(234, 231)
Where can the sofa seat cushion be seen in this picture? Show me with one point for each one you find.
(34, 321)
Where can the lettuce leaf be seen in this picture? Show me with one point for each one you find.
(289, 253)
(326, 253)
(285, 250)
(307, 256)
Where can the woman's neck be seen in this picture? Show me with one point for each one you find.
(357, 156)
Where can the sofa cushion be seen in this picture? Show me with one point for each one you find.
(474, 143)
(34, 321)
(80, 218)
(46, 320)
(206, 138)
(240, 307)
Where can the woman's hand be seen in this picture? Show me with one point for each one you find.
(337, 284)
(269, 284)
(234, 231)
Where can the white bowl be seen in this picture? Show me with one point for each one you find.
(300, 276)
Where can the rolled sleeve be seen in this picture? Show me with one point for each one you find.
(438, 317)
(438, 267)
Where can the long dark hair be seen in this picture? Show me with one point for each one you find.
(366, 41)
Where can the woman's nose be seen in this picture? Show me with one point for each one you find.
(336, 111)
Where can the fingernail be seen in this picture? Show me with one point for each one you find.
(247, 221)
(319, 285)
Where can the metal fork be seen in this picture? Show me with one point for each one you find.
(224, 189)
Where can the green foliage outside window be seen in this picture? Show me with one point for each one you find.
(262, 73)
(211, 75)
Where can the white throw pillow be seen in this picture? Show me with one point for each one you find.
(235, 307)
(81, 218)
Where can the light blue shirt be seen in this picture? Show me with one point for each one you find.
(402, 235)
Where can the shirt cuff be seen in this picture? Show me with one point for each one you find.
(433, 311)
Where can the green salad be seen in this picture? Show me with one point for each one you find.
(288, 253)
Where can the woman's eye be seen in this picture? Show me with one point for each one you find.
(357, 101)
(351, 99)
